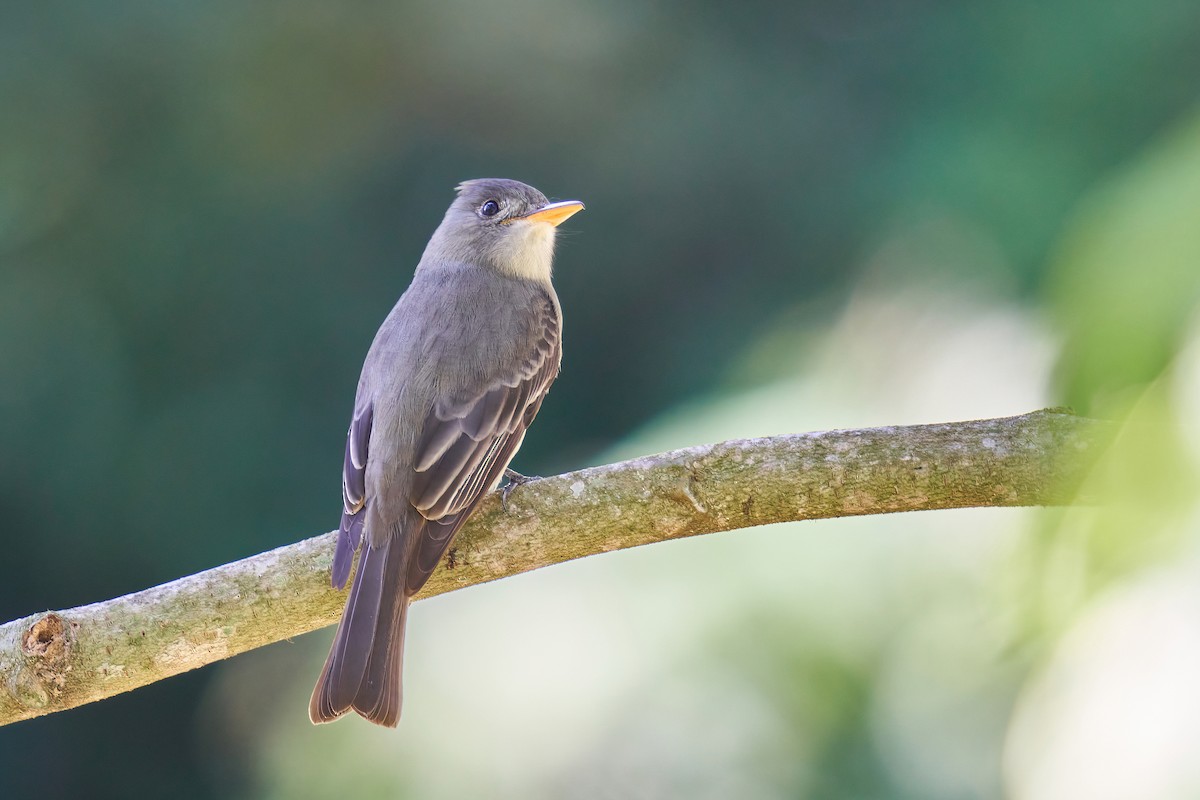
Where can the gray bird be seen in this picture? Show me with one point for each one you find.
(455, 375)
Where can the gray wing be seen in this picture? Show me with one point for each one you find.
(467, 441)
(354, 494)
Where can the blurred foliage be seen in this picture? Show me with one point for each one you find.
(1124, 285)
(799, 216)
(1125, 281)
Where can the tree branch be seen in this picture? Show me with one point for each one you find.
(59, 660)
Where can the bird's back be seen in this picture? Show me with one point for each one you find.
(417, 360)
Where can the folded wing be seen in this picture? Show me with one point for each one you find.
(469, 440)
(354, 494)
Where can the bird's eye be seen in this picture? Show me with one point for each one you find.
(490, 209)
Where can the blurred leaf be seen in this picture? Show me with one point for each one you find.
(1126, 279)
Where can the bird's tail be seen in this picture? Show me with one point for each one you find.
(364, 664)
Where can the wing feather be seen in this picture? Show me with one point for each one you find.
(438, 534)
(469, 440)
(354, 494)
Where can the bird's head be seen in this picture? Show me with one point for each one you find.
(505, 225)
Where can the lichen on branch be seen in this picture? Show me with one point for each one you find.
(55, 661)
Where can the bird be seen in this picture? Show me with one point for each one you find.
(451, 382)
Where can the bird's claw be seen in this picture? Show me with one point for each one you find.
(515, 479)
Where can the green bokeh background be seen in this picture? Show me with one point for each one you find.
(800, 215)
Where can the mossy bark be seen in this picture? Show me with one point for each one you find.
(59, 660)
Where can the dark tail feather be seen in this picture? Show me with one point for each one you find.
(381, 692)
(363, 668)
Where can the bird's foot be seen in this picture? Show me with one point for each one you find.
(515, 479)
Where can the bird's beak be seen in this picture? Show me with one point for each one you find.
(555, 213)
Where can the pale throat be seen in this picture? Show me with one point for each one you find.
(526, 250)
